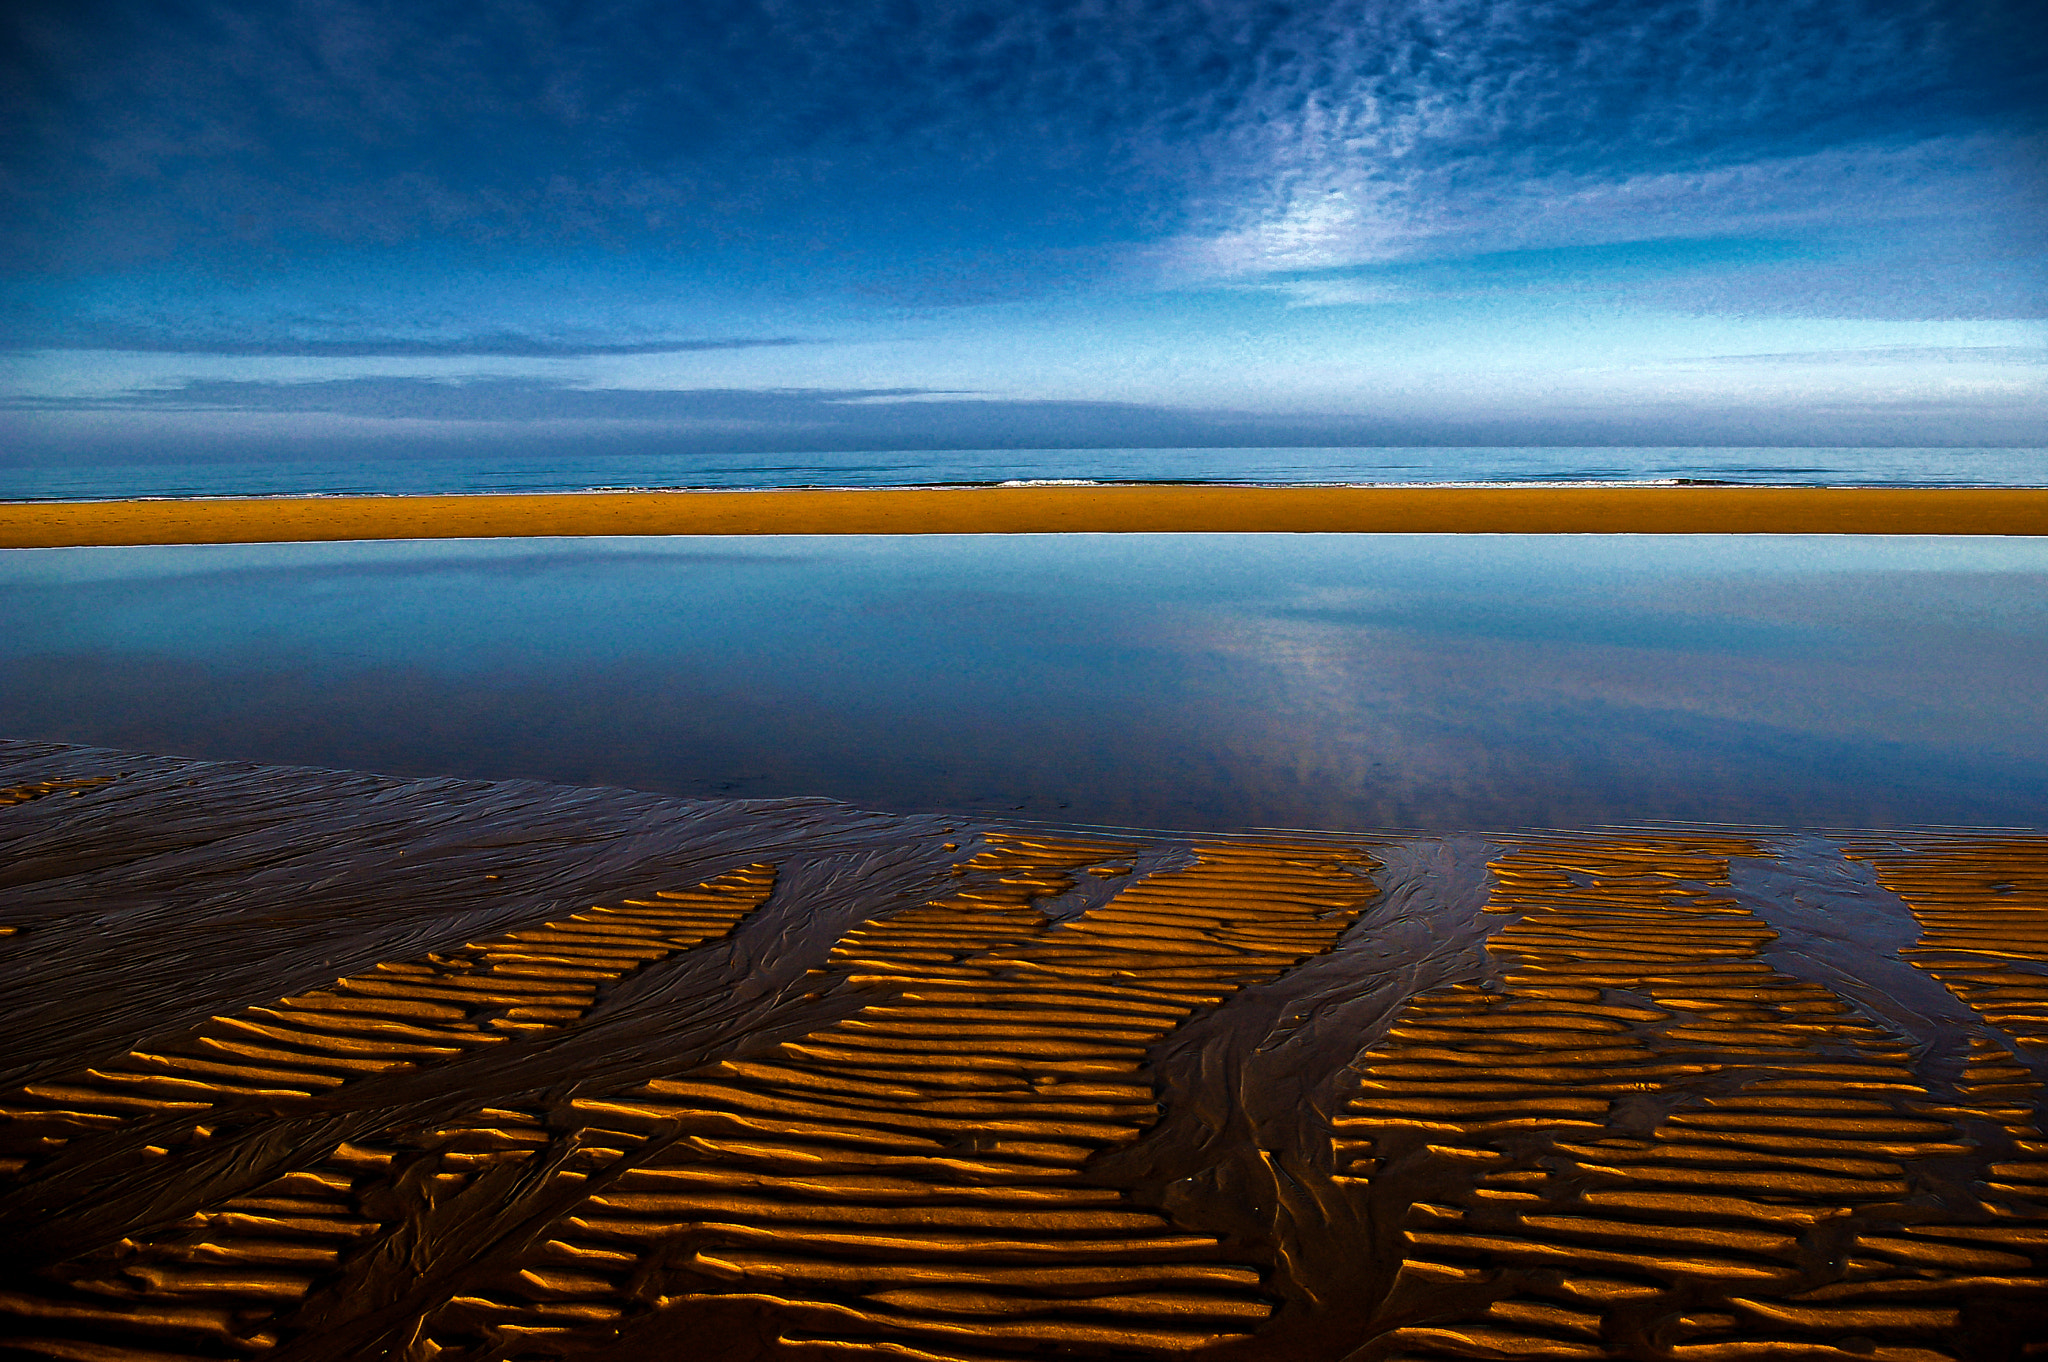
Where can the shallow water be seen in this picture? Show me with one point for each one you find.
(1177, 681)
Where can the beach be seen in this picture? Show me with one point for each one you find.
(509, 1068)
(316, 1064)
(1188, 681)
(1038, 510)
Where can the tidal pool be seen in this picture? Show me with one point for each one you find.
(1157, 680)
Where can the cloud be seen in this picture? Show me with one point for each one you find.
(1421, 132)
(1883, 355)
(479, 399)
(1283, 136)
(502, 345)
(1339, 292)
(1939, 228)
(498, 407)
(1976, 197)
(227, 124)
(534, 417)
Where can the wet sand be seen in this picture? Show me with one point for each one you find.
(311, 1064)
(1032, 510)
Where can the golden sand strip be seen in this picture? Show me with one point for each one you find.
(1038, 510)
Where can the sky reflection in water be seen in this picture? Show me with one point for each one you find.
(1156, 680)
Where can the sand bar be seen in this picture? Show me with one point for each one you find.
(1037, 510)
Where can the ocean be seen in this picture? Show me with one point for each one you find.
(395, 476)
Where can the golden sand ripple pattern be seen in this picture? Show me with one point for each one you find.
(210, 1287)
(389, 1019)
(43, 789)
(904, 1184)
(216, 1276)
(1984, 910)
(1633, 1135)
(1679, 1152)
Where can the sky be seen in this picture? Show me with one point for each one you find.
(359, 227)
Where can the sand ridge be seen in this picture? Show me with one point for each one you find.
(1038, 510)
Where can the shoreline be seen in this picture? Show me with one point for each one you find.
(1040, 509)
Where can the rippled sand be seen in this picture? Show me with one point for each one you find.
(1039, 509)
(326, 1065)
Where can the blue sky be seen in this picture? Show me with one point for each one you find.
(321, 226)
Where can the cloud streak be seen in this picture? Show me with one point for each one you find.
(1893, 355)
(488, 346)
(1282, 136)
(536, 417)
(1388, 126)
(485, 399)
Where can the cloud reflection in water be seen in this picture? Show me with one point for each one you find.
(1159, 680)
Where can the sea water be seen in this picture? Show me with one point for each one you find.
(1834, 467)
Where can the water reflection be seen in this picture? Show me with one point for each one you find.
(1156, 680)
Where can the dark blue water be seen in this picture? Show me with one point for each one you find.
(1194, 681)
(1809, 467)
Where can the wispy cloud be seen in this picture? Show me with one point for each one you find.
(1426, 131)
(1274, 136)
(542, 416)
(480, 399)
(1886, 355)
(512, 413)
(1339, 292)
(1973, 193)
(504, 345)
